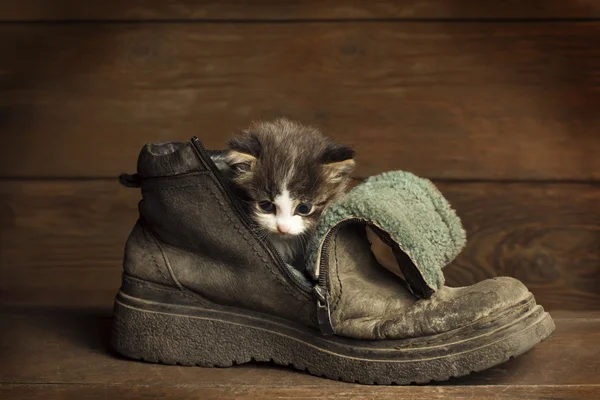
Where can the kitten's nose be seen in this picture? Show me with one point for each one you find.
(283, 228)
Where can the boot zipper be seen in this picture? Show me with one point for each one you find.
(204, 156)
(320, 290)
(323, 311)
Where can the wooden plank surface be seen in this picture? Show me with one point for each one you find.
(58, 348)
(546, 235)
(61, 242)
(501, 101)
(287, 10)
(103, 392)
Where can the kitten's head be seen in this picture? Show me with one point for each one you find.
(290, 172)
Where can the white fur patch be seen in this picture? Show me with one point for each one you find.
(290, 244)
(284, 216)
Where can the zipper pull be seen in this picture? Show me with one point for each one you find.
(323, 311)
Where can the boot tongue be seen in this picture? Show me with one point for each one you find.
(167, 159)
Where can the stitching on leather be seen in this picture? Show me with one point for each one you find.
(240, 231)
(154, 287)
(160, 271)
(175, 176)
(166, 260)
(171, 187)
(182, 293)
(337, 272)
(253, 245)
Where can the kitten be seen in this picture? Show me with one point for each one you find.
(289, 173)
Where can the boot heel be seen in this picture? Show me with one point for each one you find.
(153, 336)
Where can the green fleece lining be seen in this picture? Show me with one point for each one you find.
(411, 210)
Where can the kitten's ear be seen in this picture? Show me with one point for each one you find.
(246, 142)
(338, 161)
(244, 150)
(240, 162)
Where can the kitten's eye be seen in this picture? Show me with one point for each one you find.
(266, 206)
(303, 209)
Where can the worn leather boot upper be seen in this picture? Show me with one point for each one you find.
(190, 236)
(369, 302)
(194, 236)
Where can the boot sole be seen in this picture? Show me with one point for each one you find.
(186, 335)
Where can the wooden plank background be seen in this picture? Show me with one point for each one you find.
(41, 10)
(63, 240)
(497, 102)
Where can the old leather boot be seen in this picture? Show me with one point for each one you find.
(200, 287)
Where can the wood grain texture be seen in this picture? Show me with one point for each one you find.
(103, 392)
(501, 101)
(61, 242)
(57, 347)
(545, 235)
(41, 10)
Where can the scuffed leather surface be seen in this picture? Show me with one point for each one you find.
(189, 236)
(143, 257)
(369, 302)
(167, 159)
(201, 244)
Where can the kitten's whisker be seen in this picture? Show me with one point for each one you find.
(304, 240)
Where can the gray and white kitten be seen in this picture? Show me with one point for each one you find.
(288, 173)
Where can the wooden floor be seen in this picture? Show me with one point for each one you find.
(62, 354)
